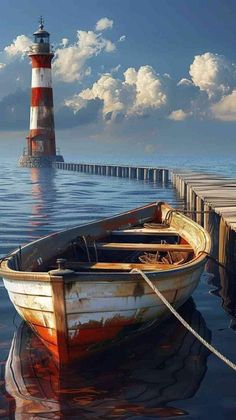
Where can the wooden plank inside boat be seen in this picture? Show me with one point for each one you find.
(120, 266)
(145, 231)
(144, 247)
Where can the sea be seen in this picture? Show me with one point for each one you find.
(164, 373)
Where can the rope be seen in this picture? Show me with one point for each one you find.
(183, 322)
(210, 257)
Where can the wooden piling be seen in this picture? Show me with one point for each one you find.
(165, 176)
(132, 172)
(140, 173)
(214, 197)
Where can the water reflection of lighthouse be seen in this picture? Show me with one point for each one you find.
(44, 196)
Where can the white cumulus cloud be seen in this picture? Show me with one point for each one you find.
(64, 42)
(2, 66)
(179, 115)
(225, 109)
(103, 24)
(213, 73)
(71, 60)
(76, 103)
(141, 91)
(149, 89)
(130, 76)
(19, 46)
(116, 97)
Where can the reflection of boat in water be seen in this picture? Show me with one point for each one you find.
(139, 377)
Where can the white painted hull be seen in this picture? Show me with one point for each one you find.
(100, 309)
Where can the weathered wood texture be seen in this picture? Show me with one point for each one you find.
(143, 247)
(146, 231)
(59, 311)
(120, 266)
(215, 197)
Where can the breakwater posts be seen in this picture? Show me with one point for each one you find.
(145, 173)
(212, 199)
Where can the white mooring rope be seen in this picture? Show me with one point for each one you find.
(183, 322)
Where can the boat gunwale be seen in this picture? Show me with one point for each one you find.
(46, 277)
(8, 273)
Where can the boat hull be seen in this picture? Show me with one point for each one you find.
(98, 311)
(76, 313)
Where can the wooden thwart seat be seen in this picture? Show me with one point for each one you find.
(120, 266)
(144, 247)
(145, 231)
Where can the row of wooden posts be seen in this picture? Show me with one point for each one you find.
(135, 172)
(212, 200)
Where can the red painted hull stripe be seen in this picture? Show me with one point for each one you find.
(79, 346)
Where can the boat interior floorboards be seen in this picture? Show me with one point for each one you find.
(141, 247)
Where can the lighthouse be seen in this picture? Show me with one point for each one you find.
(41, 144)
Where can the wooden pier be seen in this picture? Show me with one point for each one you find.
(122, 171)
(212, 200)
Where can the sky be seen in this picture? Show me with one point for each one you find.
(132, 79)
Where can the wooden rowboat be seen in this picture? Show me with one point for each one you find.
(92, 297)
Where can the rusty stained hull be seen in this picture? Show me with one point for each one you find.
(98, 310)
(105, 313)
(78, 314)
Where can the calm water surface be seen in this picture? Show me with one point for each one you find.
(163, 374)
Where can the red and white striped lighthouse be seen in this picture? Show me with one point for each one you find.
(41, 145)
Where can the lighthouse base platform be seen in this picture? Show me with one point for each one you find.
(27, 161)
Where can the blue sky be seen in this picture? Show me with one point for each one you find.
(132, 79)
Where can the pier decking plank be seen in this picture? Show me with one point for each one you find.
(215, 195)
